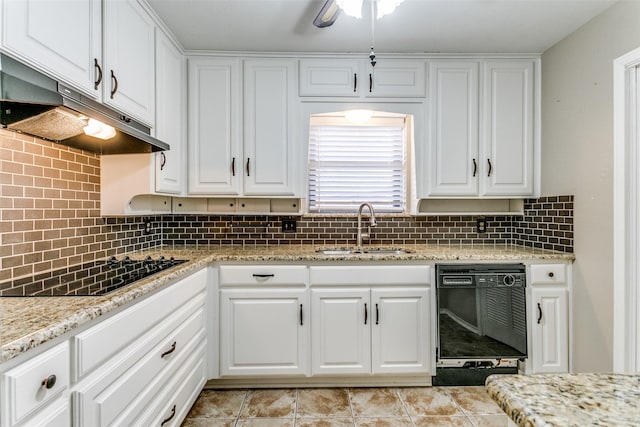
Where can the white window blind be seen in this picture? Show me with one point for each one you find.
(353, 164)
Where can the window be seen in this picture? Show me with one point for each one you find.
(350, 164)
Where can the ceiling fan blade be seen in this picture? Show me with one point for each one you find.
(327, 15)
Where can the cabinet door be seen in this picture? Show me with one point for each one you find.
(400, 330)
(327, 77)
(62, 38)
(263, 332)
(508, 112)
(215, 152)
(129, 83)
(395, 78)
(170, 115)
(549, 330)
(453, 162)
(269, 90)
(340, 331)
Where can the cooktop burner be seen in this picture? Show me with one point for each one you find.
(89, 279)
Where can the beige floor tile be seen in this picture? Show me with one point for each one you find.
(431, 401)
(384, 422)
(324, 422)
(218, 404)
(266, 422)
(459, 421)
(277, 403)
(376, 402)
(209, 422)
(492, 421)
(323, 402)
(475, 400)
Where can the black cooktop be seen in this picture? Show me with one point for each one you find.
(89, 279)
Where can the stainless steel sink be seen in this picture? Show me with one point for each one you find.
(363, 251)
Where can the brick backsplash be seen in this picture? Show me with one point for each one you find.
(547, 223)
(50, 218)
(50, 209)
(331, 230)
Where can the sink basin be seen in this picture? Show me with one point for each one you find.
(386, 251)
(362, 251)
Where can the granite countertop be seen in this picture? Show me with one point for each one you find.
(26, 322)
(568, 400)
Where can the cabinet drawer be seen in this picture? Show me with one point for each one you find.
(320, 77)
(56, 414)
(98, 344)
(548, 274)
(122, 397)
(23, 385)
(180, 393)
(247, 275)
(371, 275)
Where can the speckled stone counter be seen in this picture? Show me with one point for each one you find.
(26, 323)
(568, 399)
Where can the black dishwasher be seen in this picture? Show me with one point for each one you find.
(482, 327)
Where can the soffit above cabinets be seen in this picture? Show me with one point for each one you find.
(417, 26)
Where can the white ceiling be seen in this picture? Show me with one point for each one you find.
(450, 26)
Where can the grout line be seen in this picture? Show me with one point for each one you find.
(404, 406)
(353, 414)
(244, 402)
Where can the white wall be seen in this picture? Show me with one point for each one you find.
(577, 158)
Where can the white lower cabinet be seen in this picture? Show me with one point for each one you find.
(264, 320)
(370, 331)
(549, 318)
(36, 392)
(263, 332)
(377, 322)
(134, 366)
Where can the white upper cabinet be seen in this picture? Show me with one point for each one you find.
(482, 132)
(104, 49)
(453, 131)
(331, 77)
(215, 126)
(63, 38)
(269, 91)
(128, 72)
(508, 132)
(241, 145)
(390, 78)
(170, 116)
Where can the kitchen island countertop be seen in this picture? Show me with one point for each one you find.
(568, 400)
(26, 322)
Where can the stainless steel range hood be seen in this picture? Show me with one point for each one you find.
(37, 105)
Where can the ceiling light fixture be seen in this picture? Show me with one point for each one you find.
(328, 14)
(354, 7)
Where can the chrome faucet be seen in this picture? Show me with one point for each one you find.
(372, 223)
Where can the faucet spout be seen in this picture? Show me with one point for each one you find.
(372, 223)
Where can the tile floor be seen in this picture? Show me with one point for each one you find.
(342, 407)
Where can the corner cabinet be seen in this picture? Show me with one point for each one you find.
(227, 158)
(170, 170)
(483, 134)
(549, 317)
